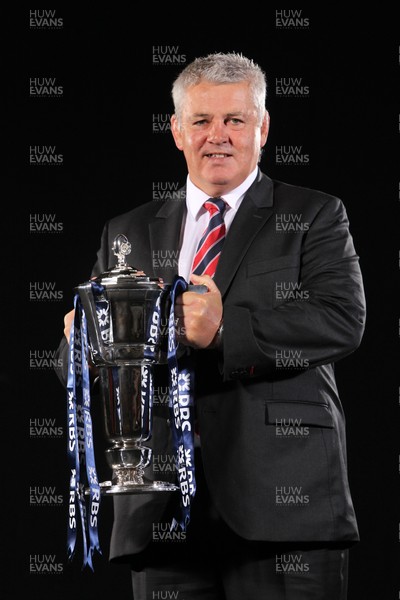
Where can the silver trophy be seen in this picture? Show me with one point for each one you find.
(125, 342)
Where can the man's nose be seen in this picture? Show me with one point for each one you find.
(218, 132)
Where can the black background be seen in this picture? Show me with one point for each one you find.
(102, 125)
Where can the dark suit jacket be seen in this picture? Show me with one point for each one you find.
(272, 424)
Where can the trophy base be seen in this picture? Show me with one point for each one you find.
(148, 487)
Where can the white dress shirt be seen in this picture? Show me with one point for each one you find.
(197, 219)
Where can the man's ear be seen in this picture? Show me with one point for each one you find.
(176, 132)
(264, 129)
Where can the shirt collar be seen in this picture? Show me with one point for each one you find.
(195, 197)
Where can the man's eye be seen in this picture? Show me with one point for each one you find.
(235, 121)
(200, 122)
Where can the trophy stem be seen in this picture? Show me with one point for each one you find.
(128, 464)
(127, 457)
(128, 476)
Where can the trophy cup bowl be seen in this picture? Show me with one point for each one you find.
(125, 342)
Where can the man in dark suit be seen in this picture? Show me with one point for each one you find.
(273, 516)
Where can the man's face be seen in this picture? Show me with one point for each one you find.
(220, 135)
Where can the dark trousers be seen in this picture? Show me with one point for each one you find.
(301, 574)
(277, 573)
(210, 562)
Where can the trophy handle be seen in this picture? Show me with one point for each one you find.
(97, 347)
(199, 289)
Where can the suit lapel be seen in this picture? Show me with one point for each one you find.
(253, 213)
(164, 235)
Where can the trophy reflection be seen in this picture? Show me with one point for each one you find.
(124, 309)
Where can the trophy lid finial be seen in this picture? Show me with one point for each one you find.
(121, 248)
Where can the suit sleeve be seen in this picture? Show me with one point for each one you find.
(62, 362)
(63, 348)
(323, 329)
(101, 264)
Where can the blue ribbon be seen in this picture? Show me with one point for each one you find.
(80, 445)
(181, 402)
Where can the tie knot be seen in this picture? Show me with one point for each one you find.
(215, 204)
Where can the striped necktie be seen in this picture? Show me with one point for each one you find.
(211, 242)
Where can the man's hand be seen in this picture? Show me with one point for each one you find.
(199, 315)
(68, 322)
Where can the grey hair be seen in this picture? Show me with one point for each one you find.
(221, 68)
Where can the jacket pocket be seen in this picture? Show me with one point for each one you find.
(297, 414)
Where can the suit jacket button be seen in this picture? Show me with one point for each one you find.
(238, 373)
